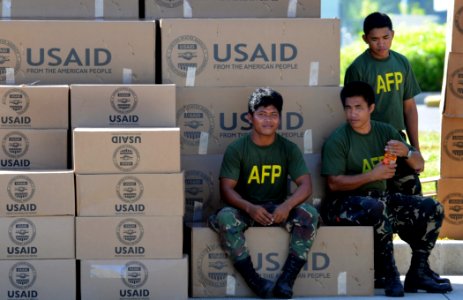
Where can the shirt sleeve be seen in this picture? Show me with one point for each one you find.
(333, 158)
(231, 164)
(297, 166)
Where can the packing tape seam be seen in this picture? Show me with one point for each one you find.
(190, 76)
(314, 73)
(203, 142)
(6, 9)
(187, 10)
(292, 8)
(231, 285)
(127, 76)
(342, 283)
(9, 76)
(99, 8)
(308, 141)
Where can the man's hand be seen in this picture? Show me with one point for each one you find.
(260, 214)
(281, 213)
(383, 172)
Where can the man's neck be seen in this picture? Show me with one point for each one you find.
(262, 140)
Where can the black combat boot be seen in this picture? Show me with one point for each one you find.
(284, 285)
(420, 277)
(260, 286)
(392, 285)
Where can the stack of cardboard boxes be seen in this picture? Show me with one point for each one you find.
(450, 186)
(217, 54)
(129, 189)
(36, 194)
(154, 104)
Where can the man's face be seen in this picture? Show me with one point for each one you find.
(265, 120)
(379, 41)
(358, 113)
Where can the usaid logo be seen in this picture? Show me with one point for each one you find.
(129, 231)
(459, 20)
(22, 275)
(194, 119)
(9, 58)
(198, 193)
(22, 231)
(129, 189)
(15, 144)
(124, 100)
(16, 100)
(126, 158)
(454, 208)
(456, 83)
(453, 144)
(169, 3)
(134, 274)
(213, 266)
(21, 189)
(187, 51)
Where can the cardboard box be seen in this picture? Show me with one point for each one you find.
(454, 32)
(38, 107)
(70, 9)
(159, 9)
(37, 237)
(135, 194)
(35, 193)
(143, 279)
(38, 279)
(450, 194)
(126, 150)
(125, 105)
(340, 262)
(452, 88)
(451, 159)
(33, 149)
(73, 51)
(129, 237)
(202, 195)
(210, 118)
(269, 52)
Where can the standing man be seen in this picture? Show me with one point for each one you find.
(395, 86)
(352, 161)
(254, 185)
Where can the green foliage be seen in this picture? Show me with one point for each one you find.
(424, 46)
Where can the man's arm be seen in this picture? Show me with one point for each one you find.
(302, 192)
(339, 183)
(231, 197)
(411, 122)
(415, 161)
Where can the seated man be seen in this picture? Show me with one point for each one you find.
(254, 185)
(352, 161)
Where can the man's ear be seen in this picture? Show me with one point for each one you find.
(249, 117)
(371, 108)
(364, 38)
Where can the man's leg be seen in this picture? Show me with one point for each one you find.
(302, 223)
(231, 224)
(418, 221)
(370, 211)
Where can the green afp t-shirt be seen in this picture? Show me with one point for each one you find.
(262, 172)
(393, 81)
(347, 152)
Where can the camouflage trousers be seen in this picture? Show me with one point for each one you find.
(231, 223)
(416, 219)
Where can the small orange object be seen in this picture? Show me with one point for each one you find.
(389, 158)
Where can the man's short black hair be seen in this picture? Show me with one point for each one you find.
(265, 97)
(358, 88)
(376, 20)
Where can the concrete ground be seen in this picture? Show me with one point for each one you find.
(456, 294)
